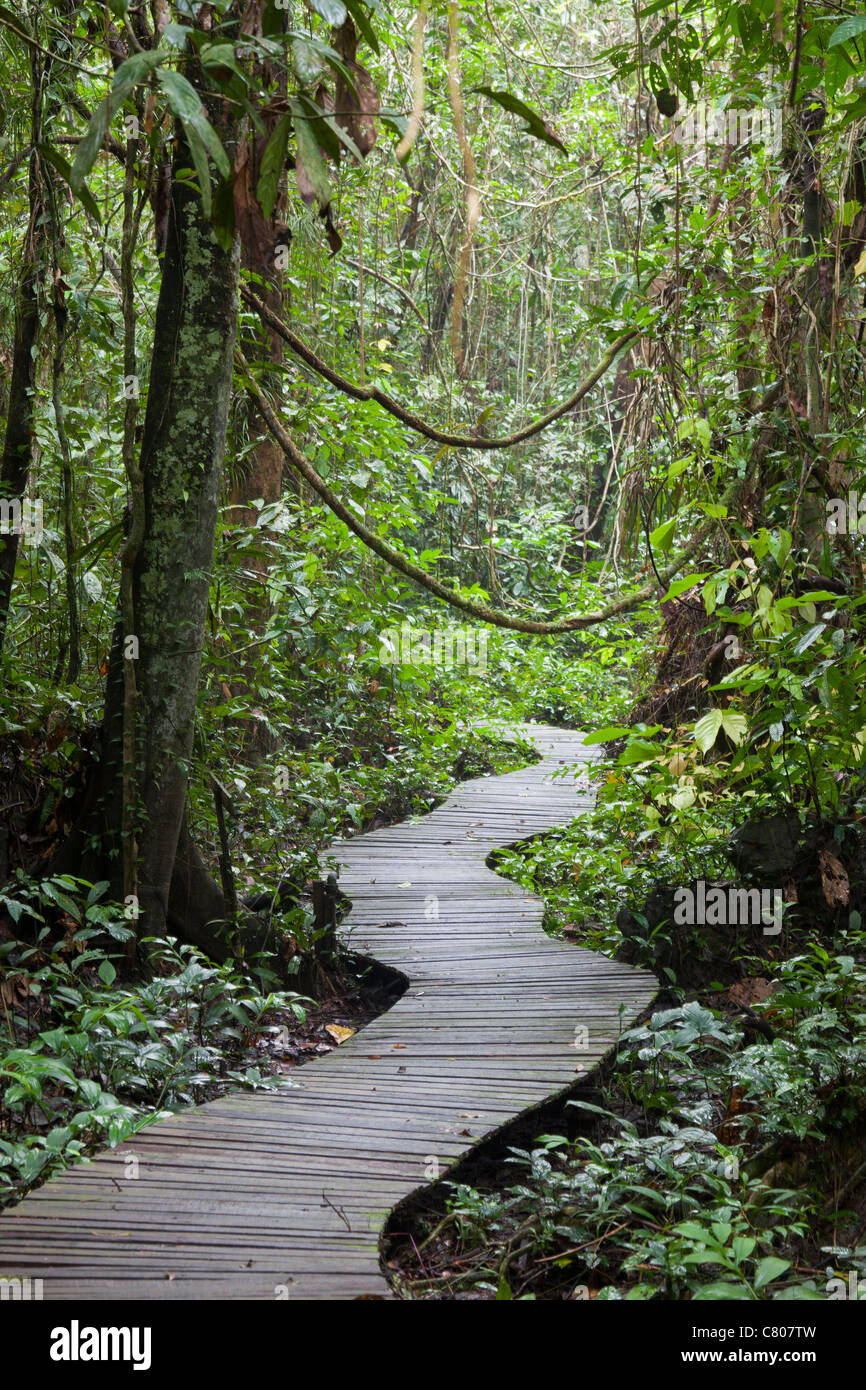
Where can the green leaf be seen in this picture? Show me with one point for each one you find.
(137, 67)
(308, 64)
(692, 1231)
(94, 136)
(535, 126)
(662, 537)
(223, 213)
(176, 34)
(107, 973)
(393, 121)
(311, 158)
(273, 163)
(222, 55)
(780, 547)
(809, 637)
(329, 134)
(681, 586)
(62, 166)
(182, 96)
(186, 104)
(694, 425)
(639, 751)
(721, 1289)
(770, 1268)
(359, 14)
(611, 731)
(57, 1139)
(848, 29)
(200, 160)
(734, 725)
(706, 730)
(333, 12)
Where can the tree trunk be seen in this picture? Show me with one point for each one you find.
(17, 448)
(259, 476)
(181, 461)
(182, 455)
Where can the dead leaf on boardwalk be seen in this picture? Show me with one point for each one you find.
(834, 879)
(340, 1035)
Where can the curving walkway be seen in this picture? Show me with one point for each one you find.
(283, 1194)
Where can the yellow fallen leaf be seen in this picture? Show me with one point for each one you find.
(339, 1034)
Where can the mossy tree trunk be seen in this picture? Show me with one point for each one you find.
(182, 456)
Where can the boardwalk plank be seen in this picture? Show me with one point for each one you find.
(283, 1194)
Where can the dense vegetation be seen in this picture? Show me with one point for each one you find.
(330, 329)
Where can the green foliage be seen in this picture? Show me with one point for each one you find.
(662, 1205)
(92, 1060)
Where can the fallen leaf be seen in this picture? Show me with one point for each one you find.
(340, 1035)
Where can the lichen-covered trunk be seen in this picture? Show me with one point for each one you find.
(182, 454)
(181, 462)
(181, 466)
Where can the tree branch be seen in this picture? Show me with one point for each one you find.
(456, 441)
(495, 616)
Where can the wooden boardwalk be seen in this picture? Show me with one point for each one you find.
(283, 1194)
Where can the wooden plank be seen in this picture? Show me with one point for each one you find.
(239, 1196)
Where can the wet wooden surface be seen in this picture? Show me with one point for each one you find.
(283, 1194)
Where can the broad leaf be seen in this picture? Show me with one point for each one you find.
(136, 68)
(62, 166)
(94, 136)
(273, 163)
(769, 1269)
(535, 126)
(313, 165)
(333, 12)
(662, 537)
(186, 104)
(707, 728)
(849, 28)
